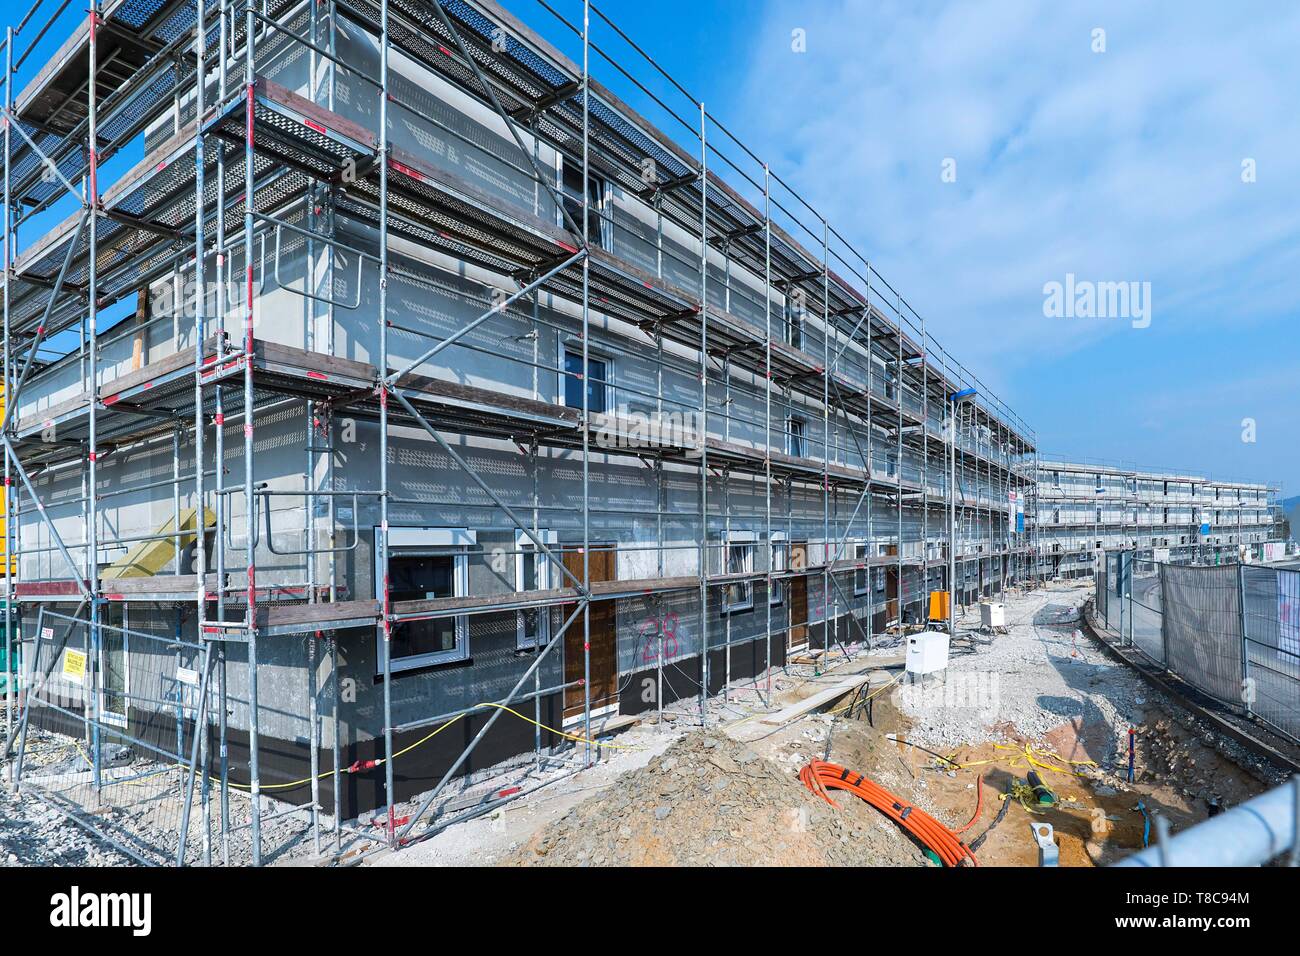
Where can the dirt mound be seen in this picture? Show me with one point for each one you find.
(710, 801)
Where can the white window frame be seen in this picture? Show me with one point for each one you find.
(575, 346)
(422, 541)
(544, 566)
(739, 539)
(790, 423)
(780, 544)
(864, 572)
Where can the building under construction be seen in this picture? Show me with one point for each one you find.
(1082, 509)
(381, 370)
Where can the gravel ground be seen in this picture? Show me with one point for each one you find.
(1041, 674)
(1047, 674)
(32, 834)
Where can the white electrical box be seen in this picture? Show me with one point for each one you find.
(927, 652)
(993, 614)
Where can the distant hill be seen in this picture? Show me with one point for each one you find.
(1291, 508)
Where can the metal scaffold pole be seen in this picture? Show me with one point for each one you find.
(250, 504)
(767, 419)
(382, 545)
(92, 385)
(704, 419)
(200, 337)
(11, 699)
(586, 380)
(219, 457)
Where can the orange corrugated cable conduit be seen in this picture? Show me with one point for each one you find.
(820, 776)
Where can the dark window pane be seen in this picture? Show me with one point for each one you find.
(529, 582)
(597, 379)
(420, 578)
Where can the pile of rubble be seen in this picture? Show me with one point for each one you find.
(710, 801)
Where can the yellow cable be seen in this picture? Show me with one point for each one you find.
(427, 737)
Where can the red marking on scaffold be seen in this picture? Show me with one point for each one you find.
(112, 399)
(566, 247)
(405, 170)
(509, 791)
(248, 116)
(220, 419)
(442, 49)
(316, 126)
(160, 167)
(318, 375)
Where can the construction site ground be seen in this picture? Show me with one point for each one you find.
(1043, 696)
(730, 795)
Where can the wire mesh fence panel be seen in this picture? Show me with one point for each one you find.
(108, 730)
(1115, 609)
(1146, 609)
(1202, 619)
(1102, 591)
(1272, 615)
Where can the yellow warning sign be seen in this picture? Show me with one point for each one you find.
(74, 666)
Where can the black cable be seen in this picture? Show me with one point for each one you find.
(947, 760)
(976, 843)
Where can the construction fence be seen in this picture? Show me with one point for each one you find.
(131, 782)
(1232, 631)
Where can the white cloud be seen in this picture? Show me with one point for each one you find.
(1116, 166)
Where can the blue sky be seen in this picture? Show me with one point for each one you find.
(1117, 166)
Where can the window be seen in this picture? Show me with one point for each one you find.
(794, 437)
(425, 564)
(794, 323)
(1056, 516)
(598, 378)
(533, 573)
(114, 655)
(1099, 516)
(860, 574)
(739, 555)
(780, 564)
(598, 229)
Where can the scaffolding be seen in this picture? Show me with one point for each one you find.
(252, 165)
(1119, 505)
